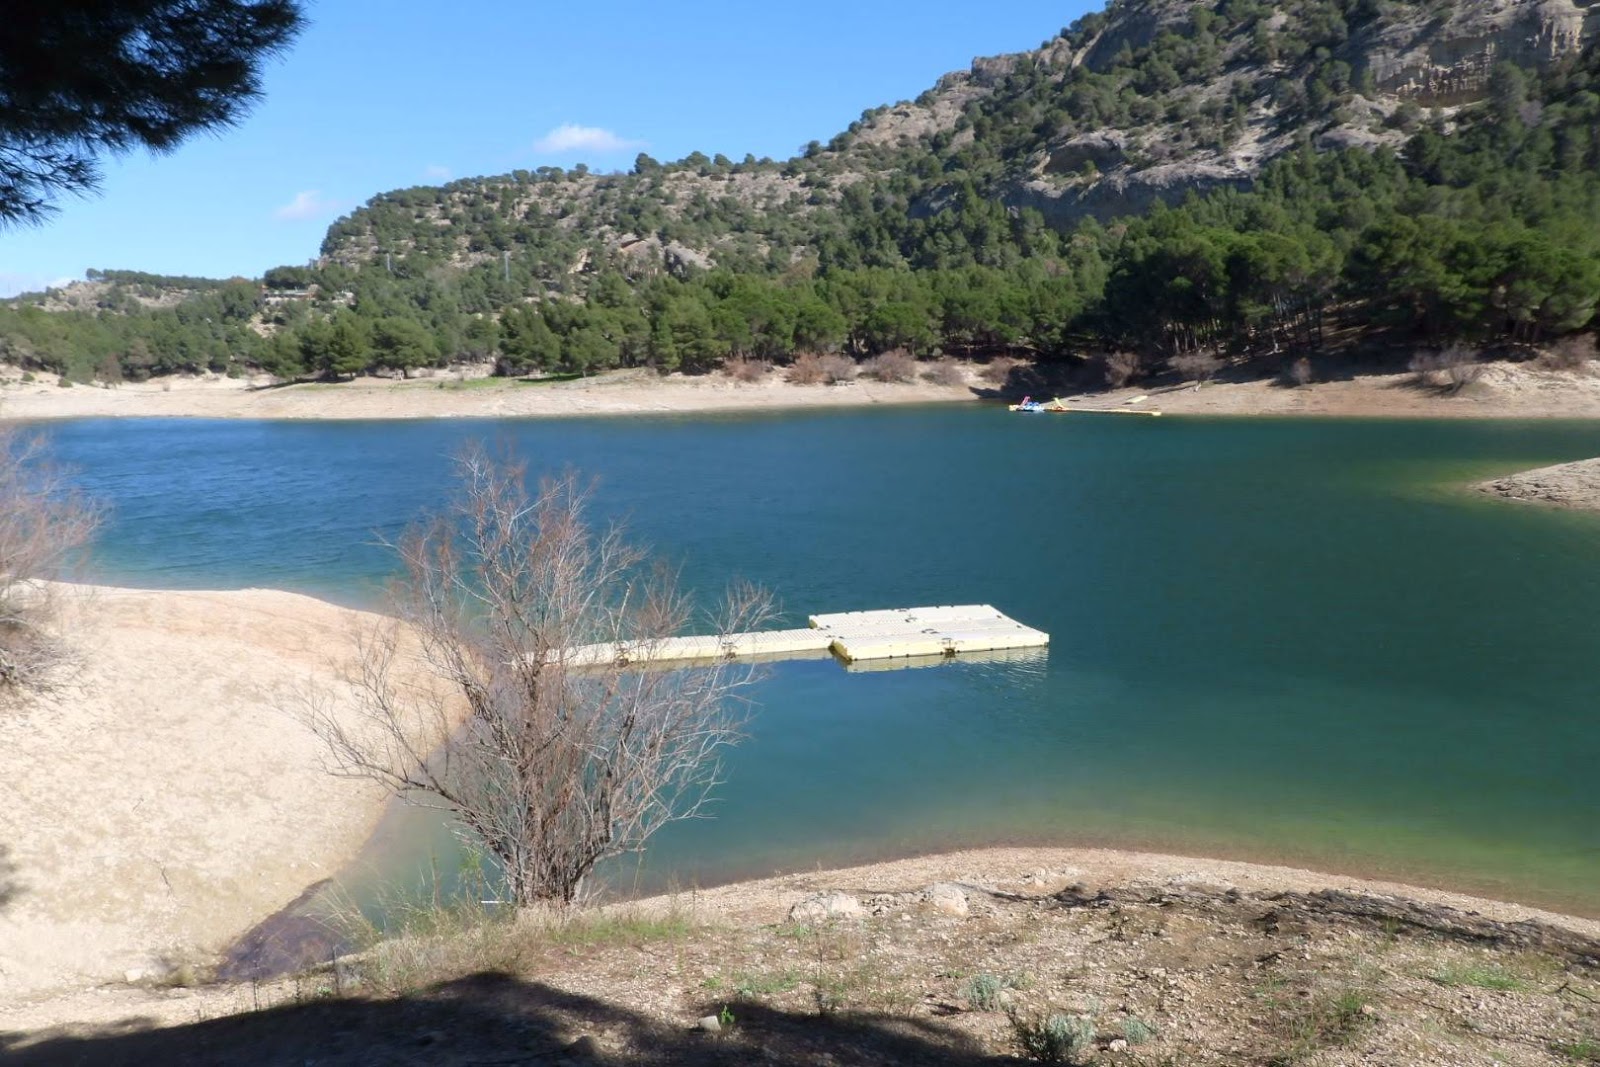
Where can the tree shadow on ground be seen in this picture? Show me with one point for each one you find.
(496, 1018)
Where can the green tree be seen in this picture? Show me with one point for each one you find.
(79, 80)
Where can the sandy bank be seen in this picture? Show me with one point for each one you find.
(1504, 390)
(617, 393)
(1566, 485)
(163, 801)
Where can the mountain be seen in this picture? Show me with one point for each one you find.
(1147, 101)
(1175, 178)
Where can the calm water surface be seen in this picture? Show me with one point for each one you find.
(1278, 639)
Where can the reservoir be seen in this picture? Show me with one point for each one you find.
(1296, 640)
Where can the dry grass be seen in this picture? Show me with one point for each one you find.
(436, 944)
(1202, 978)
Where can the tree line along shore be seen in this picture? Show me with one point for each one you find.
(1476, 234)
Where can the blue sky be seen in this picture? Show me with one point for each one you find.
(381, 95)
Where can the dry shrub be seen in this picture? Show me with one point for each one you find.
(806, 370)
(1452, 369)
(1299, 372)
(1122, 368)
(945, 372)
(1199, 366)
(43, 525)
(896, 365)
(1569, 353)
(998, 370)
(743, 369)
(560, 756)
(837, 368)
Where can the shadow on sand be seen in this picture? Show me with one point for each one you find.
(499, 1019)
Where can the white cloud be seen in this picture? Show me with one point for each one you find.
(308, 204)
(436, 172)
(570, 137)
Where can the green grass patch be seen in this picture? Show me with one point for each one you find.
(755, 985)
(1584, 1050)
(1480, 976)
(1325, 1022)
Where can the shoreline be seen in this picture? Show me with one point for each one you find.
(1503, 390)
(160, 845)
(1574, 486)
(768, 903)
(614, 393)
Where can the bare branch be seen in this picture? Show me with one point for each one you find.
(44, 525)
(472, 699)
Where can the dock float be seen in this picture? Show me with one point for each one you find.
(927, 635)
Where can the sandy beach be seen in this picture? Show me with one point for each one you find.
(1503, 390)
(451, 396)
(166, 800)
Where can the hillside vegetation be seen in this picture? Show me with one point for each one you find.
(1173, 180)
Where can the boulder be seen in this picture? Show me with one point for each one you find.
(946, 898)
(825, 906)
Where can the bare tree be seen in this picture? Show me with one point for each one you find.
(44, 523)
(1199, 366)
(1123, 367)
(1450, 370)
(552, 757)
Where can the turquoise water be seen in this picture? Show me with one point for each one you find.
(1278, 639)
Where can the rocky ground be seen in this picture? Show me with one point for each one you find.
(1040, 967)
(1566, 485)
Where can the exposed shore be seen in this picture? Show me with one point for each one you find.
(1565, 485)
(167, 800)
(453, 396)
(1503, 390)
(165, 797)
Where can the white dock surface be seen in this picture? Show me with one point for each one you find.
(854, 636)
(945, 630)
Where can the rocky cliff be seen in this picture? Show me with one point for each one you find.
(1146, 101)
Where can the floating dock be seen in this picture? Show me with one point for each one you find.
(901, 633)
(924, 634)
